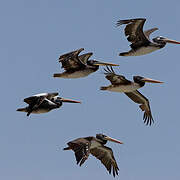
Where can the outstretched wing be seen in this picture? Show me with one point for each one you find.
(105, 155)
(138, 98)
(81, 148)
(70, 60)
(114, 78)
(134, 31)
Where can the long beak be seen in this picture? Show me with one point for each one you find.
(151, 80)
(98, 63)
(171, 41)
(113, 140)
(69, 100)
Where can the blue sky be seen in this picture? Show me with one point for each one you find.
(33, 35)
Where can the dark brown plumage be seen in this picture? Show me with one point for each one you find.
(78, 66)
(138, 98)
(140, 41)
(120, 84)
(70, 61)
(83, 147)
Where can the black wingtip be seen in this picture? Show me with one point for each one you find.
(119, 23)
(148, 120)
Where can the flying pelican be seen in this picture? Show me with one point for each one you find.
(141, 44)
(120, 84)
(82, 147)
(44, 102)
(79, 66)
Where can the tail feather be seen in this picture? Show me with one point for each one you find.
(57, 75)
(67, 148)
(103, 88)
(124, 54)
(22, 109)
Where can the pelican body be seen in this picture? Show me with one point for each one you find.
(43, 103)
(78, 66)
(82, 147)
(141, 43)
(120, 84)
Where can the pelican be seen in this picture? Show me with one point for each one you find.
(77, 66)
(82, 147)
(141, 43)
(120, 84)
(43, 103)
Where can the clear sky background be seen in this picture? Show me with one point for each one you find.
(32, 36)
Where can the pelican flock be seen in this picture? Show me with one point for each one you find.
(78, 65)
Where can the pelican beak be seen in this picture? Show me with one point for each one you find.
(69, 100)
(171, 41)
(151, 80)
(113, 140)
(98, 63)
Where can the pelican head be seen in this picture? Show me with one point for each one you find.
(60, 100)
(105, 138)
(142, 80)
(164, 40)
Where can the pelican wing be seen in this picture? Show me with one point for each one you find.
(148, 32)
(48, 102)
(84, 57)
(35, 103)
(34, 98)
(30, 100)
(70, 54)
(134, 31)
(138, 98)
(71, 63)
(114, 78)
(105, 155)
(71, 60)
(81, 148)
